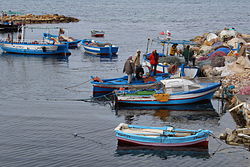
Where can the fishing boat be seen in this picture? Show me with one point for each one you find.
(6, 27)
(162, 67)
(98, 48)
(71, 42)
(166, 136)
(106, 86)
(95, 33)
(34, 48)
(173, 92)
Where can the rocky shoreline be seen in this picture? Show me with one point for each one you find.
(225, 56)
(38, 19)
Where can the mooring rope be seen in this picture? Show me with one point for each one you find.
(92, 140)
(78, 84)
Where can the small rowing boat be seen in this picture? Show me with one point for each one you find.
(98, 48)
(95, 33)
(166, 136)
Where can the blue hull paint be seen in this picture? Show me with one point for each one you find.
(170, 102)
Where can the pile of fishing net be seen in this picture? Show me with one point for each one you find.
(168, 60)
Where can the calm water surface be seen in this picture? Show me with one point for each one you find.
(39, 97)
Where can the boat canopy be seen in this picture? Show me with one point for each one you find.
(182, 42)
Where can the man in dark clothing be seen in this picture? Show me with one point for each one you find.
(139, 72)
(188, 55)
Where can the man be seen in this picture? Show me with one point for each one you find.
(139, 72)
(188, 55)
(154, 58)
(129, 68)
(136, 58)
(242, 49)
(173, 50)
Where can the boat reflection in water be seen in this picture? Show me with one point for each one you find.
(162, 152)
(54, 57)
(100, 58)
(180, 113)
(59, 57)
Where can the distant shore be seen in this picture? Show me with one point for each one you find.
(38, 19)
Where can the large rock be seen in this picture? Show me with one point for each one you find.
(227, 33)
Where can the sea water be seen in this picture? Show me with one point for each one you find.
(42, 118)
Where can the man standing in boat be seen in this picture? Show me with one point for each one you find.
(188, 54)
(138, 67)
(129, 68)
(173, 50)
(154, 57)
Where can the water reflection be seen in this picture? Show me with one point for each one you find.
(163, 152)
(101, 58)
(44, 57)
(181, 113)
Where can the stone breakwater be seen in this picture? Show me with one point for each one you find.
(241, 113)
(38, 19)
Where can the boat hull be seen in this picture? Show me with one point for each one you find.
(199, 143)
(174, 99)
(9, 28)
(160, 136)
(97, 33)
(34, 49)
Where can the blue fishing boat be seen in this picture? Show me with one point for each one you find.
(166, 136)
(71, 42)
(173, 92)
(98, 48)
(105, 86)
(34, 48)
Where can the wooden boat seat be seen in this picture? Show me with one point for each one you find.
(137, 131)
(182, 134)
